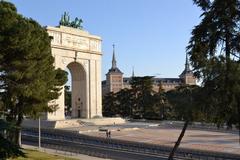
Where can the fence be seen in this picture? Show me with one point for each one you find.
(118, 145)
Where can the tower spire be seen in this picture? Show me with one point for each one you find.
(114, 62)
(187, 68)
(133, 71)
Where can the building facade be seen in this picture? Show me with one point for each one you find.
(115, 81)
(114, 78)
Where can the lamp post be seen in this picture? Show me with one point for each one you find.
(39, 133)
(4, 118)
(163, 109)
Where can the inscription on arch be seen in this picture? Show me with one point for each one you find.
(75, 41)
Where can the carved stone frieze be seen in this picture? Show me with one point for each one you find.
(75, 41)
(63, 39)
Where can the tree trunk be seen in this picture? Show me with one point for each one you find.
(15, 136)
(177, 144)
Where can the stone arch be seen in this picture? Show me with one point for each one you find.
(81, 53)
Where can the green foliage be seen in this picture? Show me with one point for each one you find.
(68, 98)
(110, 105)
(7, 148)
(185, 107)
(214, 50)
(138, 102)
(216, 38)
(161, 109)
(204, 4)
(125, 102)
(27, 75)
(142, 94)
(184, 101)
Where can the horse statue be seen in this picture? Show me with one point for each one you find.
(65, 21)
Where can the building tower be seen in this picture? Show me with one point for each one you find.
(114, 77)
(133, 74)
(187, 74)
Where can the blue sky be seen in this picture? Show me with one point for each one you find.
(150, 35)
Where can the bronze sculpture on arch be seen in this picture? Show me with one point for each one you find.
(65, 21)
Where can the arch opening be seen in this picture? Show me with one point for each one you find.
(78, 91)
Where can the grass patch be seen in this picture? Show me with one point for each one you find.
(36, 155)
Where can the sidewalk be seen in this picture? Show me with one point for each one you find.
(63, 153)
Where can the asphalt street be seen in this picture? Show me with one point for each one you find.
(110, 148)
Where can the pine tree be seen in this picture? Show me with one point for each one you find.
(110, 105)
(7, 148)
(215, 54)
(142, 94)
(214, 50)
(27, 75)
(124, 98)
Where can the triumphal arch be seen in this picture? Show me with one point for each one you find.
(80, 52)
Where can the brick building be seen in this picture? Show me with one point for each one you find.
(115, 81)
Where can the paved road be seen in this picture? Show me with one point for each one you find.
(89, 149)
(108, 148)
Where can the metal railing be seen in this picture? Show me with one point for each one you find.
(123, 145)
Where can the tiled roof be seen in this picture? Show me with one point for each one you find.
(185, 72)
(114, 70)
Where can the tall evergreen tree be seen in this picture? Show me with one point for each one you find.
(160, 108)
(7, 148)
(142, 93)
(110, 107)
(28, 78)
(125, 99)
(214, 50)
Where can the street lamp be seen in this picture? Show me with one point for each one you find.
(39, 132)
(163, 109)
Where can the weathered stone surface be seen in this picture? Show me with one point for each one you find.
(81, 53)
